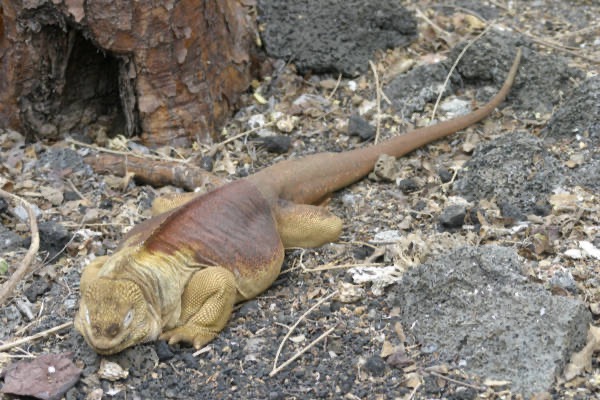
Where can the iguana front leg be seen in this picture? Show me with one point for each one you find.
(206, 306)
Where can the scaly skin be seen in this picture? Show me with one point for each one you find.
(178, 274)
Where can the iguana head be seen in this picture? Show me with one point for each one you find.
(113, 315)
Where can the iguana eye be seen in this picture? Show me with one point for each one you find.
(128, 318)
(87, 316)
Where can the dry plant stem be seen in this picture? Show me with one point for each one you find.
(317, 304)
(217, 146)
(24, 267)
(378, 94)
(7, 346)
(124, 153)
(414, 391)
(437, 102)
(455, 381)
(558, 47)
(435, 27)
(337, 85)
(331, 266)
(302, 351)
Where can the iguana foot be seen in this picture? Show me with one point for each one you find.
(206, 304)
(189, 334)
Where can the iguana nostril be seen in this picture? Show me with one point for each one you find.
(112, 330)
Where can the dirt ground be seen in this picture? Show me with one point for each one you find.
(499, 178)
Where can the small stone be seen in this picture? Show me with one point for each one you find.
(358, 126)
(256, 121)
(390, 236)
(275, 144)
(111, 371)
(399, 360)
(54, 196)
(375, 366)
(595, 308)
(53, 237)
(36, 289)
(408, 185)
(255, 345)
(453, 216)
(189, 360)
(511, 211)
(21, 213)
(248, 308)
(328, 83)
(287, 124)
(349, 200)
(445, 175)
(385, 168)
(207, 163)
(163, 351)
(349, 293)
(95, 394)
(564, 280)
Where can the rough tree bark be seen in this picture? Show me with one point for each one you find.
(170, 71)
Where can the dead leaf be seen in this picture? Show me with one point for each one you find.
(400, 332)
(349, 293)
(563, 201)
(49, 376)
(470, 143)
(387, 349)
(54, 196)
(495, 382)
(590, 249)
(225, 164)
(298, 338)
(95, 394)
(582, 360)
(412, 380)
(440, 369)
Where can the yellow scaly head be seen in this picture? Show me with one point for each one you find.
(113, 315)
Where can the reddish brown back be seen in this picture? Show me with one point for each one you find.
(232, 226)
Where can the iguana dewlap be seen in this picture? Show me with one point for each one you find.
(178, 274)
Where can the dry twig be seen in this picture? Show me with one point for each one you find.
(378, 95)
(291, 329)
(437, 102)
(302, 351)
(337, 84)
(456, 381)
(7, 346)
(24, 267)
(126, 153)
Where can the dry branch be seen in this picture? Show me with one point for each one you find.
(154, 172)
(8, 287)
(18, 342)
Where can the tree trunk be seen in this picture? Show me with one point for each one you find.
(169, 71)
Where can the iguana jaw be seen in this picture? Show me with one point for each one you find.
(114, 315)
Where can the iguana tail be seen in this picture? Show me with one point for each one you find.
(308, 180)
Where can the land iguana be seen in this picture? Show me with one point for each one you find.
(178, 274)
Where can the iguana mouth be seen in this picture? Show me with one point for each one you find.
(108, 346)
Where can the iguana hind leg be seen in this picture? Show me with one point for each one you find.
(206, 304)
(170, 201)
(303, 225)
